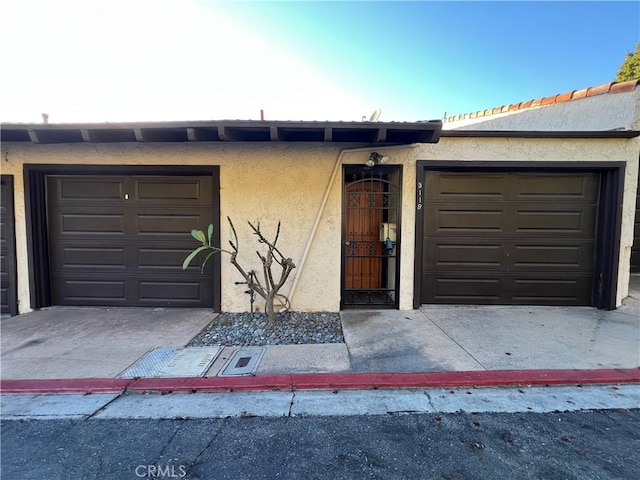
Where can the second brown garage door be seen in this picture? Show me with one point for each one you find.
(120, 240)
(508, 238)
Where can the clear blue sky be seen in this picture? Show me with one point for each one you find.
(336, 60)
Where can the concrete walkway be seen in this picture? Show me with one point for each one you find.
(91, 343)
(318, 402)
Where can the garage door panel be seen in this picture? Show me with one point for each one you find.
(162, 261)
(177, 191)
(451, 187)
(537, 255)
(555, 221)
(167, 224)
(533, 244)
(89, 257)
(4, 261)
(463, 253)
(153, 291)
(89, 224)
(89, 189)
(507, 289)
(462, 289)
(87, 291)
(449, 219)
(549, 257)
(484, 220)
(564, 188)
(547, 290)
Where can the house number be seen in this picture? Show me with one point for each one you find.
(419, 196)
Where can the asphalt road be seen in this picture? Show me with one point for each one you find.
(571, 445)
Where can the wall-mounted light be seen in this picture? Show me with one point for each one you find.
(376, 158)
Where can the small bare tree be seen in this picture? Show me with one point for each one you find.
(268, 290)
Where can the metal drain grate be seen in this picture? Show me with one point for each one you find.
(244, 361)
(150, 363)
(173, 362)
(190, 362)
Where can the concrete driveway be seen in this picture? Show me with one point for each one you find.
(64, 342)
(457, 338)
(84, 342)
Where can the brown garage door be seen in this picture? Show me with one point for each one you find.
(121, 240)
(635, 250)
(509, 238)
(8, 303)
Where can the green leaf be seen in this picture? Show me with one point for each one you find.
(206, 260)
(192, 255)
(199, 235)
(210, 232)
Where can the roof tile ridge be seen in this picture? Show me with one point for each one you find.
(610, 87)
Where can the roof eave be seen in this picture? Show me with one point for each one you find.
(373, 133)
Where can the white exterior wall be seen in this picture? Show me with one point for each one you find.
(613, 111)
(274, 181)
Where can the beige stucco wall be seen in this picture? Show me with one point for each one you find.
(271, 182)
(258, 182)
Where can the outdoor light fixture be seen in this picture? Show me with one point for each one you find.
(374, 158)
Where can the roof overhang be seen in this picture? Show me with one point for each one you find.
(371, 133)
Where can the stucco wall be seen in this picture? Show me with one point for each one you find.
(614, 111)
(271, 182)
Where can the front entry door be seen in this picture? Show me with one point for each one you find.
(370, 237)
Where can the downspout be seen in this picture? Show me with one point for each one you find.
(323, 204)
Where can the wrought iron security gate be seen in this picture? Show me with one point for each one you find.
(371, 237)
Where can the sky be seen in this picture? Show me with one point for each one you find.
(165, 60)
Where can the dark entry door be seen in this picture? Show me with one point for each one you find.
(370, 237)
(509, 237)
(8, 301)
(120, 240)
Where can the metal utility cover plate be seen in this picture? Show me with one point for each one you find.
(173, 362)
(244, 361)
(150, 363)
(190, 362)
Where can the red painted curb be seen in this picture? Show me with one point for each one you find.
(326, 381)
(64, 385)
(465, 379)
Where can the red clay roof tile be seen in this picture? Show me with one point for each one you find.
(611, 87)
(564, 97)
(599, 90)
(580, 93)
(622, 87)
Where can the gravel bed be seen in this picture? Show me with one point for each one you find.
(250, 329)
